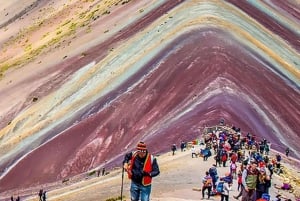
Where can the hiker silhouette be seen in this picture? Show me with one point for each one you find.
(182, 146)
(173, 149)
(44, 196)
(12, 198)
(287, 151)
(41, 194)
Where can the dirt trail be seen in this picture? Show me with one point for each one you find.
(180, 174)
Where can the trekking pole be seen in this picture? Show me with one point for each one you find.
(122, 184)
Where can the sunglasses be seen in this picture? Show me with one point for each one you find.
(142, 151)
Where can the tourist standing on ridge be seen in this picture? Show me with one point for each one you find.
(249, 180)
(103, 171)
(44, 196)
(173, 148)
(40, 194)
(263, 183)
(233, 169)
(224, 157)
(218, 157)
(193, 150)
(278, 158)
(207, 184)
(226, 189)
(140, 166)
(287, 151)
(240, 184)
(270, 168)
(214, 175)
(98, 172)
(182, 146)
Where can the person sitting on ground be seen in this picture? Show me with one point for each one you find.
(286, 184)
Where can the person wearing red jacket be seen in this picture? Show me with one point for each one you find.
(141, 167)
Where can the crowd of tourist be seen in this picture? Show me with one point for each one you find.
(248, 161)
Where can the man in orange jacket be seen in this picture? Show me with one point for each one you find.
(140, 166)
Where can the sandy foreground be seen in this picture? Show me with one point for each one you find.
(180, 179)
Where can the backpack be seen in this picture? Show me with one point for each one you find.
(233, 166)
(212, 172)
(224, 157)
(219, 187)
(208, 182)
(266, 196)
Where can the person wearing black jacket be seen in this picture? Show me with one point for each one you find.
(40, 194)
(263, 183)
(141, 167)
